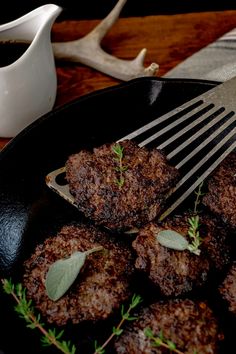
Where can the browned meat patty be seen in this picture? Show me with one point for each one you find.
(228, 289)
(216, 242)
(221, 196)
(115, 199)
(101, 286)
(192, 326)
(178, 272)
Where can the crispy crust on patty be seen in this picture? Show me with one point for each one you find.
(221, 196)
(178, 272)
(228, 288)
(101, 286)
(93, 176)
(192, 326)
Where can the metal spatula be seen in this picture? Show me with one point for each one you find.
(195, 136)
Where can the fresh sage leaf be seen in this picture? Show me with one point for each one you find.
(172, 239)
(62, 274)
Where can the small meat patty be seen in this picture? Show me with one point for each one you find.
(221, 196)
(178, 272)
(120, 191)
(101, 286)
(191, 326)
(228, 288)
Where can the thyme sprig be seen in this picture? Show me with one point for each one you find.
(199, 194)
(194, 235)
(161, 341)
(174, 240)
(116, 331)
(25, 310)
(194, 224)
(118, 150)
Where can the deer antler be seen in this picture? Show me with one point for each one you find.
(88, 51)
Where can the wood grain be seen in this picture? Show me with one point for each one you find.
(169, 39)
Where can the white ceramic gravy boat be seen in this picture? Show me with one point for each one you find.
(28, 86)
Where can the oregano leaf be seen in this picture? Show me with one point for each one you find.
(62, 273)
(172, 239)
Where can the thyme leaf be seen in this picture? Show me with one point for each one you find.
(174, 240)
(118, 150)
(26, 311)
(51, 336)
(194, 234)
(161, 341)
(116, 331)
(197, 201)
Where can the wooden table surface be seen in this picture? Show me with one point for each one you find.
(169, 39)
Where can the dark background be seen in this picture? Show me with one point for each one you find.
(95, 9)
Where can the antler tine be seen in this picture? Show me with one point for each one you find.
(88, 51)
(105, 25)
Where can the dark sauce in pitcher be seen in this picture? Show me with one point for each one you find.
(11, 51)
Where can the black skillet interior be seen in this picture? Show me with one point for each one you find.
(29, 210)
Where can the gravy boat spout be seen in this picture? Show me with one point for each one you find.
(28, 85)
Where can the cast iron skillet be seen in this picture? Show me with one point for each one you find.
(29, 210)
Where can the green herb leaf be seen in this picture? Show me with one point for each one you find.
(117, 331)
(148, 332)
(171, 345)
(26, 311)
(118, 150)
(62, 274)
(136, 300)
(8, 286)
(199, 194)
(172, 239)
(160, 341)
(194, 235)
